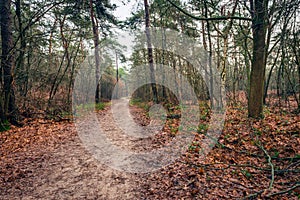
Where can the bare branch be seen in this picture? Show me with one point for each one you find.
(208, 19)
(284, 191)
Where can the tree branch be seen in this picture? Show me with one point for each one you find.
(208, 19)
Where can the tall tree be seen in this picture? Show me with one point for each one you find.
(8, 107)
(257, 76)
(97, 50)
(150, 53)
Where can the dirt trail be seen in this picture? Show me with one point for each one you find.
(69, 171)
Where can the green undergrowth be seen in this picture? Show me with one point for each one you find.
(140, 103)
(101, 105)
(90, 106)
(4, 126)
(204, 109)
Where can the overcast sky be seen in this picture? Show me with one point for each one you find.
(123, 11)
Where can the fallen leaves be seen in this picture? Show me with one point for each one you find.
(235, 168)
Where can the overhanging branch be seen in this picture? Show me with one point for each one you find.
(219, 18)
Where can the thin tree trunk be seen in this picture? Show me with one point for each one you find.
(163, 54)
(23, 76)
(150, 53)
(57, 81)
(206, 49)
(117, 76)
(97, 51)
(71, 81)
(269, 77)
(211, 79)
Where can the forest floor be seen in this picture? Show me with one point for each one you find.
(254, 159)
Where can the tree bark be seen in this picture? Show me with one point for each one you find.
(150, 53)
(211, 75)
(9, 110)
(22, 78)
(97, 51)
(257, 76)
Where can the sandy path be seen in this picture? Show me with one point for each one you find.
(69, 171)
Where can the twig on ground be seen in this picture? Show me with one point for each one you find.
(284, 191)
(271, 165)
(256, 155)
(293, 164)
(250, 196)
(279, 171)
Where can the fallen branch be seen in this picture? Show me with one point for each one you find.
(271, 165)
(260, 156)
(250, 196)
(284, 191)
(272, 194)
(276, 171)
(293, 164)
(256, 155)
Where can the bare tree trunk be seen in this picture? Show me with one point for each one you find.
(297, 61)
(57, 80)
(257, 76)
(21, 71)
(206, 49)
(163, 54)
(211, 77)
(71, 81)
(150, 53)
(117, 76)
(269, 77)
(9, 110)
(97, 51)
